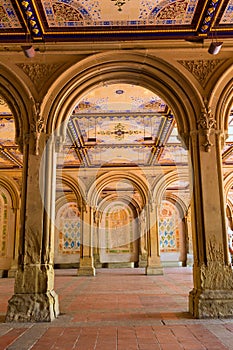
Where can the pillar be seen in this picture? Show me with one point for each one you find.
(212, 295)
(153, 261)
(34, 298)
(143, 242)
(86, 267)
(96, 243)
(14, 264)
(183, 230)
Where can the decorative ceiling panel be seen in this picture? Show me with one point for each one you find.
(66, 20)
(227, 17)
(8, 16)
(174, 154)
(111, 98)
(7, 127)
(73, 13)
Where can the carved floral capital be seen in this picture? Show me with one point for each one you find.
(206, 123)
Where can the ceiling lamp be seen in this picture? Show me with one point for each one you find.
(215, 47)
(29, 51)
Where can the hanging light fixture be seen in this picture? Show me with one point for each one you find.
(215, 47)
(29, 51)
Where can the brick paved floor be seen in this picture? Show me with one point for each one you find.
(118, 309)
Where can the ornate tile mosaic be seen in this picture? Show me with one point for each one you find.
(8, 17)
(7, 126)
(113, 98)
(69, 225)
(227, 17)
(168, 228)
(73, 13)
(175, 154)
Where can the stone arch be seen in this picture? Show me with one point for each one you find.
(17, 98)
(9, 233)
(227, 183)
(12, 189)
(126, 199)
(77, 188)
(104, 179)
(136, 68)
(221, 99)
(164, 180)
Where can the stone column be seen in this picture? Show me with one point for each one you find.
(183, 241)
(86, 267)
(212, 295)
(153, 261)
(96, 243)
(34, 298)
(143, 243)
(14, 264)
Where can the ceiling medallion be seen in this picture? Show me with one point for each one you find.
(119, 3)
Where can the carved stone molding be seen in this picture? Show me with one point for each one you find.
(201, 69)
(216, 275)
(37, 126)
(206, 123)
(39, 72)
(3, 102)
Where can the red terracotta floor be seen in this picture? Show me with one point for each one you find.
(118, 309)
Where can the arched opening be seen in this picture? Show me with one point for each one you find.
(11, 164)
(116, 130)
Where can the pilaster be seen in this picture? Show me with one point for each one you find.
(86, 267)
(34, 298)
(154, 266)
(212, 295)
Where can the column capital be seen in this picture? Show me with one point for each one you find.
(37, 125)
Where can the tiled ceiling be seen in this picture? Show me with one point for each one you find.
(67, 20)
(113, 125)
(121, 124)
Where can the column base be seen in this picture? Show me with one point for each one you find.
(12, 273)
(142, 260)
(211, 303)
(37, 307)
(86, 271)
(153, 270)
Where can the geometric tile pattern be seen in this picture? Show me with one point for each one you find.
(69, 225)
(168, 228)
(100, 19)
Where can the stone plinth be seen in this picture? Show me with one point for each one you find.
(153, 270)
(86, 271)
(36, 307)
(211, 303)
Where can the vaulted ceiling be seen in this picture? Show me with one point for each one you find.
(116, 124)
